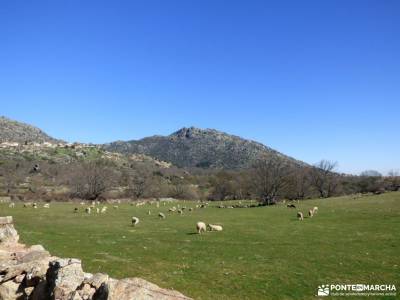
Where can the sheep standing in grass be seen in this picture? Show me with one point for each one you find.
(88, 210)
(97, 210)
(315, 210)
(103, 209)
(149, 212)
(201, 227)
(161, 215)
(34, 205)
(300, 216)
(212, 227)
(11, 205)
(76, 210)
(135, 221)
(46, 205)
(115, 206)
(311, 213)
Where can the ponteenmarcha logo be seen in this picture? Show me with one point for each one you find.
(356, 290)
(323, 290)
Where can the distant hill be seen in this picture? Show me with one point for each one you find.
(205, 148)
(13, 131)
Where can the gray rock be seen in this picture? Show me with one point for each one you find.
(64, 276)
(9, 290)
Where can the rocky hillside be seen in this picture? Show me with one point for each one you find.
(13, 131)
(194, 147)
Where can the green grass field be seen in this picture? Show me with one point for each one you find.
(263, 253)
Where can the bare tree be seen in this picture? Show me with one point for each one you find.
(324, 179)
(270, 177)
(299, 187)
(91, 180)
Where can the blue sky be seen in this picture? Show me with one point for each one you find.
(312, 79)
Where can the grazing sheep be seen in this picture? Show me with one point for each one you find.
(315, 210)
(214, 227)
(311, 213)
(103, 209)
(76, 210)
(300, 216)
(88, 210)
(34, 205)
(190, 209)
(291, 206)
(201, 226)
(149, 212)
(135, 221)
(27, 204)
(161, 215)
(115, 206)
(158, 204)
(97, 210)
(93, 203)
(180, 211)
(46, 205)
(172, 209)
(82, 203)
(11, 205)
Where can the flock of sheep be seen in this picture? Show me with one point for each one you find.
(200, 226)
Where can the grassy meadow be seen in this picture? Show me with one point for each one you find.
(263, 253)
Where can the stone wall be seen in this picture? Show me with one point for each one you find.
(32, 273)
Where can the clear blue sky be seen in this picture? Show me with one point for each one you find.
(312, 79)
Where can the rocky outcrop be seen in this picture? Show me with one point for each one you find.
(32, 273)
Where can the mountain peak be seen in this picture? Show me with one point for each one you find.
(196, 147)
(189, 132)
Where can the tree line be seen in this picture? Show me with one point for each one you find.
(268, 180)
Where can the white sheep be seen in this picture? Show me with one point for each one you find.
(311, 213)
(88, 210)
(97, 210)
(11, 205)
(103, 209)
(161, 215)
(315, 210)
(34, 205)
(135, 221)
(215, 227)
(115, 206)
(149, 212)
(46, 205)
(180, 211)
(82, 203)
(300, 216)
(201, 226)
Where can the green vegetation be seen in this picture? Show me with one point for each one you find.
(263, 253)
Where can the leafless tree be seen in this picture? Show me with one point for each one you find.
(270, 177)
(323, 178)
(91, 180)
